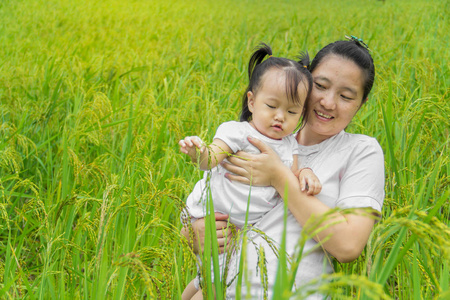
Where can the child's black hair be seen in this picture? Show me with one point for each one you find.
(355, 52)
(296, 73)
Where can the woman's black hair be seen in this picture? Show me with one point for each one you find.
(354, 51)
(296, 72)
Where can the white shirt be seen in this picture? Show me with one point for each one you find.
(231, 197)
(351, 170)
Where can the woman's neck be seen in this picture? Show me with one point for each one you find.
(306, 137)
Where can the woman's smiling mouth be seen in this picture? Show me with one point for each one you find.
(321, 114)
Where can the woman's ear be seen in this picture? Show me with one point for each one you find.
(250, 101)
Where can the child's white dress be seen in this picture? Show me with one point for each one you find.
(231, 197)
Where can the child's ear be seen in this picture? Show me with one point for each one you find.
(250, 101)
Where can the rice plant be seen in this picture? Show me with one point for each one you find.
(94, 96)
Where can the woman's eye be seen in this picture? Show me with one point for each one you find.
(270, 106)
(319, 86)
(346, 98)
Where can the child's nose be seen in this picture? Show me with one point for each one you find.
(279, 115)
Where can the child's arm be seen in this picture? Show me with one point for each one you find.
(294, 167)
(309, 181)
(210, 156)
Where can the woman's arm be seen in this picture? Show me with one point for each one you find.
(347, 233)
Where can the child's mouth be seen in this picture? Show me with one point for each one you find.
(277, 127)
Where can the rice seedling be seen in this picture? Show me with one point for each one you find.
(95, 95)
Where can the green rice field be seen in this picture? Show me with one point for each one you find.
(94, 96)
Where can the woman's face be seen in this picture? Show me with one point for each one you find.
(335, 98)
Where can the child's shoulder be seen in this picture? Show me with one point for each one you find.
(233, 126)
(234, 134)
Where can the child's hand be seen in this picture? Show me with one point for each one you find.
(189, 146)
(309, 181)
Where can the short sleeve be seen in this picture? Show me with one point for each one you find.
(362, 180)
(233, 134)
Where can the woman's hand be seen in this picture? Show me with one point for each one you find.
(258, 169)
(199, 233)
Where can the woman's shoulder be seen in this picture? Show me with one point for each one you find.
(357, 137)
(345, 140)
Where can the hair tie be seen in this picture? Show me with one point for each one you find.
(358, 41)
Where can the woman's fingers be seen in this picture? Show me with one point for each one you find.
(225, 239)
(259, 144)
(254, 167)
(221, 227)
(237, 178)
(221, 224)
(232, 167)
(224, 235)
(220, 217)
(223, 232)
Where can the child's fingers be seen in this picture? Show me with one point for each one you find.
(310, 188)
(309, 185)
(302, 184)
(191, 141)
(198, 143)
(182, 145)
(314, 188)
(318, 188)
(188, 141)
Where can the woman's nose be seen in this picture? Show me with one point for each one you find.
(328, 101)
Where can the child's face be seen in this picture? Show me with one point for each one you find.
(273, 115)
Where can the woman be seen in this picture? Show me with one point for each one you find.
(349, 166)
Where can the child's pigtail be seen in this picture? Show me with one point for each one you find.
(258, 56)
(304, 59)
(305, 62)
(256, 59)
